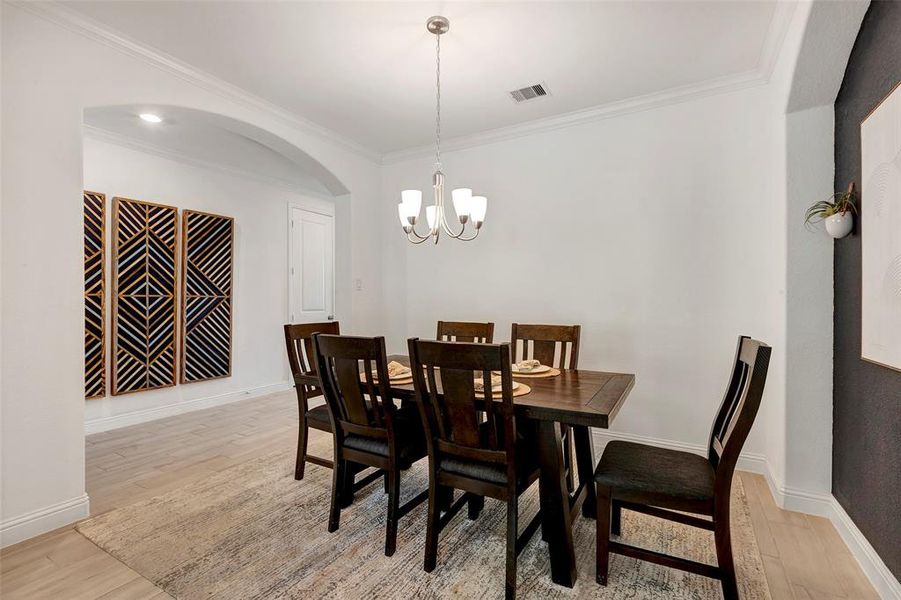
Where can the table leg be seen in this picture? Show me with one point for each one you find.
(585, 464)
(556, 521)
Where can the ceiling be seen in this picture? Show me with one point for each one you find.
(209, 140)
(366, 70)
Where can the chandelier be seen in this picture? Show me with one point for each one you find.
(469, 209)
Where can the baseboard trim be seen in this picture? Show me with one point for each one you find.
(825, 505)
(794, 499)
(169, 410)
(876, 571)
(36, 522)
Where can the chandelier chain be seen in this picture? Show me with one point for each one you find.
(438, 101)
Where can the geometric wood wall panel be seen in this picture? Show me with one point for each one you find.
(207, 266)
(94, 288)
(144, 307)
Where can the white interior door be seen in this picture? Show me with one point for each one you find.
(312, 266)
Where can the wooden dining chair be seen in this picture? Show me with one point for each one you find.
(459, 331)
(299, 342)
(473, 443)
(555, 346)
(369, 429)
(658, 481)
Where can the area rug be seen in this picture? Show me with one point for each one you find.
(253, 532)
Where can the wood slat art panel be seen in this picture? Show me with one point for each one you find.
(144, 279)
(94, 289)
(207, 265)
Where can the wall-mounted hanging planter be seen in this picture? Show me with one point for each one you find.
(837, 212)
(840, 224)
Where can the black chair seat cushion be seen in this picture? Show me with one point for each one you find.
(526, 465)
(317, 418)
(657, 477)
(410, 438)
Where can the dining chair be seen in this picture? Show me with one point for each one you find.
(473, 443)
(459, 331)
(369, 429)
(299, 342)
(657, 481)
(555, 346)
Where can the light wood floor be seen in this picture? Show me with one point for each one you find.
(803, 555)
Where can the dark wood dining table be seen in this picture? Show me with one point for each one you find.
(581, 399)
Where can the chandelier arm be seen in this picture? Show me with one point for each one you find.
(415, 234)
(447, 229)
(470, 238)
(459, 236)
(419, 239)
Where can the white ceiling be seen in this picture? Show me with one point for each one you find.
(210, 140)
(366, 70)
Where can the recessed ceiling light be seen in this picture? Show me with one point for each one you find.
(150, 118)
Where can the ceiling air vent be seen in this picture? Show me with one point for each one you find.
(529, 92)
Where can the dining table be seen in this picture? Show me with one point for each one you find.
(581, 399)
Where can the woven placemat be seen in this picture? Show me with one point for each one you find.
(375, 380)
(552, 373)
(522, 390)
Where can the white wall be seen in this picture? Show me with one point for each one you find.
(260, 273)
(652, 230)
(51, 73)
(804, 85)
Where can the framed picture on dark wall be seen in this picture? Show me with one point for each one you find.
(880, 136)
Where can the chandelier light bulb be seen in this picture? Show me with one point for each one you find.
(404, 219)
(462, 202)
(478, 207)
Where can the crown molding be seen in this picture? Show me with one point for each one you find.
(74, 21)
(760, 75)
(772, 44)
(581, 117)
(130, 143)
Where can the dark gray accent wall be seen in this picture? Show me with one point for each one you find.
(866, 447)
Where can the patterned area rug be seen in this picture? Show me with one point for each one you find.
(252, 531)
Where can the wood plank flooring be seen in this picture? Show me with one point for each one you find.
(803, 556)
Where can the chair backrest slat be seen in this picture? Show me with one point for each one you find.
(739, 406)
(359, 402)
(551, 345)
(459, 331)
(444, 378)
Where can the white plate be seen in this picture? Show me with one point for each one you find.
(535, 371)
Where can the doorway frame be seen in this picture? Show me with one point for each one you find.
(322, 207)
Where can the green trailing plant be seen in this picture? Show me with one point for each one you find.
(841, 202)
